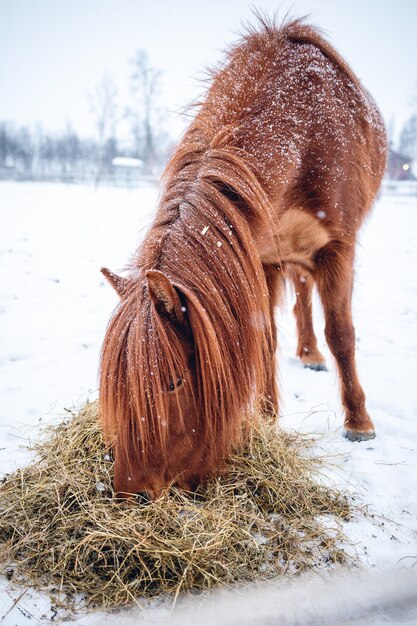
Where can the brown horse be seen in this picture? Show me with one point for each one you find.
(271, 181)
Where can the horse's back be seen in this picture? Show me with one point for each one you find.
(311, 131)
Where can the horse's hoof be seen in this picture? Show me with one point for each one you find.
(357, 435)
(317, 367)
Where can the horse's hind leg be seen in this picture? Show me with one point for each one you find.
(334, 278)
(307, 350)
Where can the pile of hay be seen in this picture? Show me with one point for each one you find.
(62, 532)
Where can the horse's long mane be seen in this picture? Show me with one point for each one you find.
(201, 240)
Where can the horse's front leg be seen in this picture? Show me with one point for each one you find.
(274, 282)
(334, 278)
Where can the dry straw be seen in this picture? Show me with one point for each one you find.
(62, 532)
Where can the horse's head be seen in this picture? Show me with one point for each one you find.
(149, 393)
(186, 354)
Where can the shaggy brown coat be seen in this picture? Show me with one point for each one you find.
(272, 179)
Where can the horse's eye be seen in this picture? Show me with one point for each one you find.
(172, 386)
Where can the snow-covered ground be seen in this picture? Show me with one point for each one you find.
(54, 306)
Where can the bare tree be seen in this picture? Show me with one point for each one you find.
(103, 104)
(145, 116)
(61, 156)
(4, 145)
(408, 138)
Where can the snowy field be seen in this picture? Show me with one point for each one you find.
(54, 306)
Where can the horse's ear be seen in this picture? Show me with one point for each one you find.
(164, 295)
(118, 283)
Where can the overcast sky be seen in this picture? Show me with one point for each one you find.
(52, 52)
